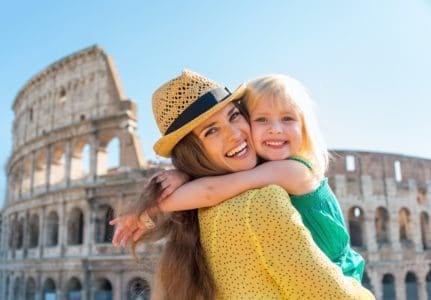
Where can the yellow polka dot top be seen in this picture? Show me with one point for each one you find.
(258, 248)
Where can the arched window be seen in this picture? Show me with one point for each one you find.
(104, 232)
(80, 160)
(39, 179)
(30, 289)
(404, 222)
(425, 230)
(58, 169)
(52, 229)
(33, 231)
(74, 289)
(388, 283)
(17, 288)
(113, 153)
(428, 280)
(49, 290)
(20, 234)
(138, 289)
(411, 286)
(103, 289)
(356, 223)
(75, 227)
(382, 226)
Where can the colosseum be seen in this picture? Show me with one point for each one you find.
(73, 118)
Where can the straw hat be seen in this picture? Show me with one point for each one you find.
(185, 102)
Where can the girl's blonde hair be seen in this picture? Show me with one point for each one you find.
(282, 90)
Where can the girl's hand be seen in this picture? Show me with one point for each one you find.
(128, 227)
(169, 181)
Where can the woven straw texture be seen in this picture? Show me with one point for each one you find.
(173, 97)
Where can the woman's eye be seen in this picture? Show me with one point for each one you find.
(210, 131)
(235, 115)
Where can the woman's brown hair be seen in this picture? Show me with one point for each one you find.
(183, 272)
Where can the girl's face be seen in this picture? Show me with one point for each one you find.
(227, 141)
(276, 129)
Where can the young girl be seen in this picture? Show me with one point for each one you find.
(285, 135)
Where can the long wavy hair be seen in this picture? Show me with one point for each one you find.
(183, 272)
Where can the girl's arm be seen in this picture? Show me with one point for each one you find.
(294, 177)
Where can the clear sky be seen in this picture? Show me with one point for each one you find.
(366, 63)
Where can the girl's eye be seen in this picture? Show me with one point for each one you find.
(260, 120)
(287, 118)
(210, 131)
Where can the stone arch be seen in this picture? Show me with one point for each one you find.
(17, 288)
(15, 183)
(425, 230)
(102, 289)
(33, 231)
(428, 284)
(411, 286)
(405, 225)
(75, 227)
(381, 223)
(26, 175)
(80, 159)
(73, 289)
(58, 164)
(39, 177)
(104, 232)
(356, 221)
(20, 234)
(30, 289)
(49, 289)
(13, 233)
(138, 289)
(108, 154)
(52, 223)
(388, 285)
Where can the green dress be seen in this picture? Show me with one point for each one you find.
(322, 215)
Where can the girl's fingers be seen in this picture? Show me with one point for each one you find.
(114, 221)
(138, 233)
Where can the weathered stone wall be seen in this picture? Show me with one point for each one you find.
(63, 190)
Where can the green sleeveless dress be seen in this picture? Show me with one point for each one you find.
(322, 215)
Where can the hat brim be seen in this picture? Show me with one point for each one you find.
(164, 145)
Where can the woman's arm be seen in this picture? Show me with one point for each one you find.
(294, 177)
(289, 254)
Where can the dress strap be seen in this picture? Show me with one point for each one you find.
(305, 162)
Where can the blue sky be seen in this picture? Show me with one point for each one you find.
(366, 63)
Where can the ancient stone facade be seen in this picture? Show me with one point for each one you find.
(386, 204)
(55, 240)
(62, 190)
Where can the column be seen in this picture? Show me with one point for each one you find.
(42, 229)
(62, 230)
(370, 236)
(68, 162)
(48, 168)
(400, 286)
(94, 145)
(32, 170)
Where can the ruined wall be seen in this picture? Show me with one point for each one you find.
(386, 201)
(71, 119)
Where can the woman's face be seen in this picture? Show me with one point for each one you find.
(226, 139)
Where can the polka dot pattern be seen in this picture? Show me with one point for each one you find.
(258, 248)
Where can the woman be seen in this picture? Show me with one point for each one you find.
(252, 246)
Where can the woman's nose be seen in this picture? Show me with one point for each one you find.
(234, 133)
